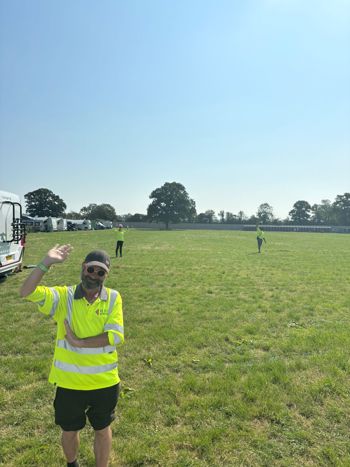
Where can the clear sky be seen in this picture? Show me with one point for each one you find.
(243, 102)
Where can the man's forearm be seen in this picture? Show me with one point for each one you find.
(33, 280)
(95, 341)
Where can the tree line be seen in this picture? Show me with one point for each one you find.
(171, 203)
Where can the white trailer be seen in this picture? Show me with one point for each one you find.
(62, 224)
(12, 233)
(50, 224)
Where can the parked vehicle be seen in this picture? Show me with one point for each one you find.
(49, 224)
(85, 225)
(71, 226)
(31, 223)
(62, 224)
(81, 224)
(108, 224)
(12, 233)
(99, 226)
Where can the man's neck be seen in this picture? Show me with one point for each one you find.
(91, 294)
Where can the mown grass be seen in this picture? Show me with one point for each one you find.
(231, 358)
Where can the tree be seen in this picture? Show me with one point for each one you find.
(241, 217)
(85, 212)
(72, 215)
(171, 203)
(207, 217)
(342, 209)
(201, 218)
(265, 213)
(323, 213)
(231, 218)
(301, 212)
(99, 211)
(210, 214)
(135, 217)
(252, 220)
(222, 216)
(44, 203)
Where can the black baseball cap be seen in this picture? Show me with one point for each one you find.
(98, 258)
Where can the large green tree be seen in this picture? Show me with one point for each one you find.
(342, 209)
(171, 203)
(301, 212)
(44, 203)
(99, 211)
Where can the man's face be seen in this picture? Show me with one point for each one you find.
(92, 277)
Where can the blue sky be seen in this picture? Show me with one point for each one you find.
(243, 102)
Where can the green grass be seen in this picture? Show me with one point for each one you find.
(231, 358)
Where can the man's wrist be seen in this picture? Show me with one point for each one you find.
(42, 267)
(78, 342)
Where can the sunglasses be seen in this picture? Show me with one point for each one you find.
(91, 269)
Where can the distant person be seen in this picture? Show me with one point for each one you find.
(85, 365)
(260, 237)
(120, 241)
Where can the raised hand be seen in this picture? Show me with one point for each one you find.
(58, 254)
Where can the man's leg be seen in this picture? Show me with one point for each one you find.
(70, 445)
(101, 414)
(259, 244)
(102, 446)
(118, 249)
(121, 249)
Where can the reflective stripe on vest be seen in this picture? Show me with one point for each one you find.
(112, 298)
(114, 327)
(55, 301)
(70, 296)
(63, 344)
(85, 370)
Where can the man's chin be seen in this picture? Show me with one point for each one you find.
(90, 285)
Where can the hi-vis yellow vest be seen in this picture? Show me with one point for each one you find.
(78, 367)
(120, 235)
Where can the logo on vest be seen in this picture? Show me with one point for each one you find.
(101, 312)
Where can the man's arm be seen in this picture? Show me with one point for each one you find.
(95, 341)
(57, 254)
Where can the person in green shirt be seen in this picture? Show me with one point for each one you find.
(120, 241)
(260, 236)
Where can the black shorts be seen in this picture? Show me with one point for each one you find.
(73, 406)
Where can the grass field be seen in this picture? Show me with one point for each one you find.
(231, 358)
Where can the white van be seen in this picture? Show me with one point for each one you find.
(12, 233)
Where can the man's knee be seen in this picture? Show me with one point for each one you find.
(104, 433)
(70, 435)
